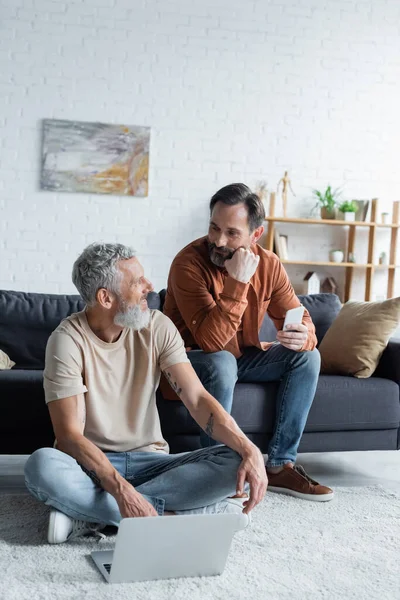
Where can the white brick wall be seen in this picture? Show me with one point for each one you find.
(234, 90)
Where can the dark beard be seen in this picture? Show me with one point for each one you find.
(219, 259)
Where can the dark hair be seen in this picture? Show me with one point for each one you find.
(239, 193)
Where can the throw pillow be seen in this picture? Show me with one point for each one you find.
(5, 361)
(358, 336)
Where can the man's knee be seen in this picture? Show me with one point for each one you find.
(312, 361)
(220, 366)
(225, 365)
(42, 466)
(227, 455)
(37, 461)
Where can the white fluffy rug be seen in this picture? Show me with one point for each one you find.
(346, 549)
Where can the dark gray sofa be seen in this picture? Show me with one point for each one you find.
(347, 413)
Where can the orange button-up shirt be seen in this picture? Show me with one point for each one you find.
(213, 311)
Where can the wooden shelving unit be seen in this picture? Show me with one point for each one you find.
(369, 266)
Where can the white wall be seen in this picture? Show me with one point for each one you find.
(233, 90)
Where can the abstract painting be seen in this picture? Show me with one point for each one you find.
(95, 158)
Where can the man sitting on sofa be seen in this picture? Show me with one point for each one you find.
(102, 370)
(219, 289)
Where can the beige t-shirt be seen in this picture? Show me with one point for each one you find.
(118, 380)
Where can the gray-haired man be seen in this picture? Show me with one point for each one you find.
(102, 370)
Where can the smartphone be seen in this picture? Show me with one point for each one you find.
(294, 316)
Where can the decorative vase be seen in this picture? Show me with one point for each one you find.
(383, 258)
(327, 214)
(385, 218)
(349, 216)
(337, 256)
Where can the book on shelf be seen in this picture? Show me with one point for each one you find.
(281, 245)
(277, 243)
(283, 239)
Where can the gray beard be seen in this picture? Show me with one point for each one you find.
(133, 317)
(218, 259)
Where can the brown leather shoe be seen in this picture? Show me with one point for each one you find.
(293, 480)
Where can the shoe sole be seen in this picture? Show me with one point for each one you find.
(51, 528)
(310, 497)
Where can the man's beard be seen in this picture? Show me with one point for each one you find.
(132, 316)
(219, 259)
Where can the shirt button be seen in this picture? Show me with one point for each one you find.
(193, 322)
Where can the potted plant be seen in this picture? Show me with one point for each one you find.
(349, 209)
(327, 201)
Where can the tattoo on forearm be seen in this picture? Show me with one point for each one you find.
(92, 474)
(209, 428)
(173, 384)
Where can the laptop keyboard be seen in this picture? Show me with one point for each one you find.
(107, 567)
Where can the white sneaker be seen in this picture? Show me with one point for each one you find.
(229, 505)
(62, 528)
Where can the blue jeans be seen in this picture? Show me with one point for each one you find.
(168, 481)
(297, 373)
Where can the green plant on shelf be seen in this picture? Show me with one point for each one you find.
(348, 206)
(327, 201)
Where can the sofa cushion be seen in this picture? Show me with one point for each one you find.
(323, 309)
(340, 403)
(28, 319)
(356, 340)
(26, 322)
(346, 403)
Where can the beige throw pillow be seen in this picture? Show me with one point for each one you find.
(356, 339)
(5, 361)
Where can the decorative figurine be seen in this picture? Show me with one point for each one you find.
(311, 283)
(286, 183)
(329, 286)
(383, 258)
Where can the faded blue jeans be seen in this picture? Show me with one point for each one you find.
(297, 373)
(168, 481)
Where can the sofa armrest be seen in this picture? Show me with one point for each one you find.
(389, 364)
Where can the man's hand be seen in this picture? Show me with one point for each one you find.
(294, 337)
(252, 470)
(242, 265)
(132, 504)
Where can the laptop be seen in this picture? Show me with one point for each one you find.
(149, 548)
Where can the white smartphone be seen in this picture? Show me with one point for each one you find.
(294, 316)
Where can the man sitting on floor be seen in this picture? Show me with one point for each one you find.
(102, 370)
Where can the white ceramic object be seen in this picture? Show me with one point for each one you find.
(337, 256)
(349, 216)
(385, 218)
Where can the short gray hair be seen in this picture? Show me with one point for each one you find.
(96, 268)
